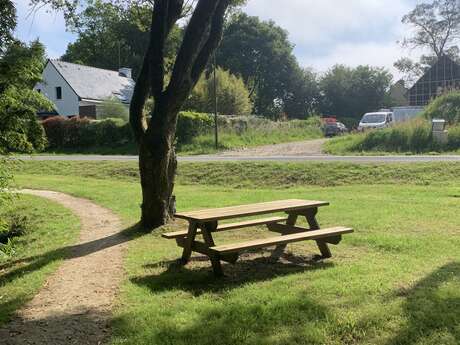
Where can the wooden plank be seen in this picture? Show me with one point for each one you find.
(250, 210)
(310, 215)
(202, 248)
(230, 226)
(267, 242)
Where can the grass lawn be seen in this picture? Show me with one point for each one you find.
(396, 280)
(348, 144)
(50, 228)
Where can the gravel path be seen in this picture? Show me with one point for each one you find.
(74, 306)
(298, 148)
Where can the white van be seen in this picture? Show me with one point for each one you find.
(375, 120)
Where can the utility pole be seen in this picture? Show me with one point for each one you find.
(119, 57)
(216, 135)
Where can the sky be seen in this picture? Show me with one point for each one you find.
(324, 32)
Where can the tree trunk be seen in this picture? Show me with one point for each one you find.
(157, 167)
(157, 158)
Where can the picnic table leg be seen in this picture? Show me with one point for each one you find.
(279, 249)
(310, 215)
(192, 228)
(206, 230)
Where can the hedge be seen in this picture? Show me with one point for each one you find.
(63, 133)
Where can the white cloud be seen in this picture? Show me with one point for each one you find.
(349, 32)
(45, 24)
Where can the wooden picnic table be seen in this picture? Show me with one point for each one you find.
(206, 222)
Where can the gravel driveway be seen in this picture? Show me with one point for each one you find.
(298, 148)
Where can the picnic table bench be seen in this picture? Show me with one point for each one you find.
(206, 222)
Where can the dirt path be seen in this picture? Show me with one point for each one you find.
(74, 306)
(299, 148)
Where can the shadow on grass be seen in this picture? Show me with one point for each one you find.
(432, 307)
(199, 280)
(285, 319)
(34, 263)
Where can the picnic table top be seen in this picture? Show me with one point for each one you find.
(249, 210)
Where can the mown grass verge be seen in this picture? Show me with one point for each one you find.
(265, 174)
(395, 281)
(50, 228)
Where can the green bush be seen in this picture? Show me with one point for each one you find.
(113, 108)
(454, 138)
(74, 133)
(80, 133)
(232, 95)
(190, 125)
(445, 107)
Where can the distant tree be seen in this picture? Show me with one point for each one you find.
(113, 35)
(436, 27)
(20, 70)
(445, 107)
(232, 95)
(113, 108)
(262, 55)
(351, 92)
(302, 98)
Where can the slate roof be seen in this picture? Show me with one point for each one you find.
(95, 83)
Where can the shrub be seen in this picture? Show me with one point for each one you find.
(445, 107)
(113, 108)
(232, 95)
(454, 138)
(190, 125)
(83, 133)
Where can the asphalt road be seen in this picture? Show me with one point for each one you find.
(226, 158)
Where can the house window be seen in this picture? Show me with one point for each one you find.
(58, 92)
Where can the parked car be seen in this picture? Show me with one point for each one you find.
(335, 128)
(375, 120)
(385, 118)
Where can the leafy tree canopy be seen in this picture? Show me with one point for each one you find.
(7, 23)
(351, 92)
(262, 55)
(112, 36)
(20, 69)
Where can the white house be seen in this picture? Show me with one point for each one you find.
(77, 90)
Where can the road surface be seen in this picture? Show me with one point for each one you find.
(276, 158)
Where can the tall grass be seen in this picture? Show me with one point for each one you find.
(241, 132)
(410, 137)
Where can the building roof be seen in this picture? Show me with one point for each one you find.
(443, 69)
(95, 83)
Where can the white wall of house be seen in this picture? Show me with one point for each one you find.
(68, 105)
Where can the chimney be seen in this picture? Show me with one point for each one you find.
(124, 72)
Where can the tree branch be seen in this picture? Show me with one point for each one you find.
(194, 38)
(212, 42)
(151, 76)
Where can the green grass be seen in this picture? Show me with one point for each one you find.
(396, 280)
(37, 254)
(266, 174)
(278, 133)
(413, 137)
